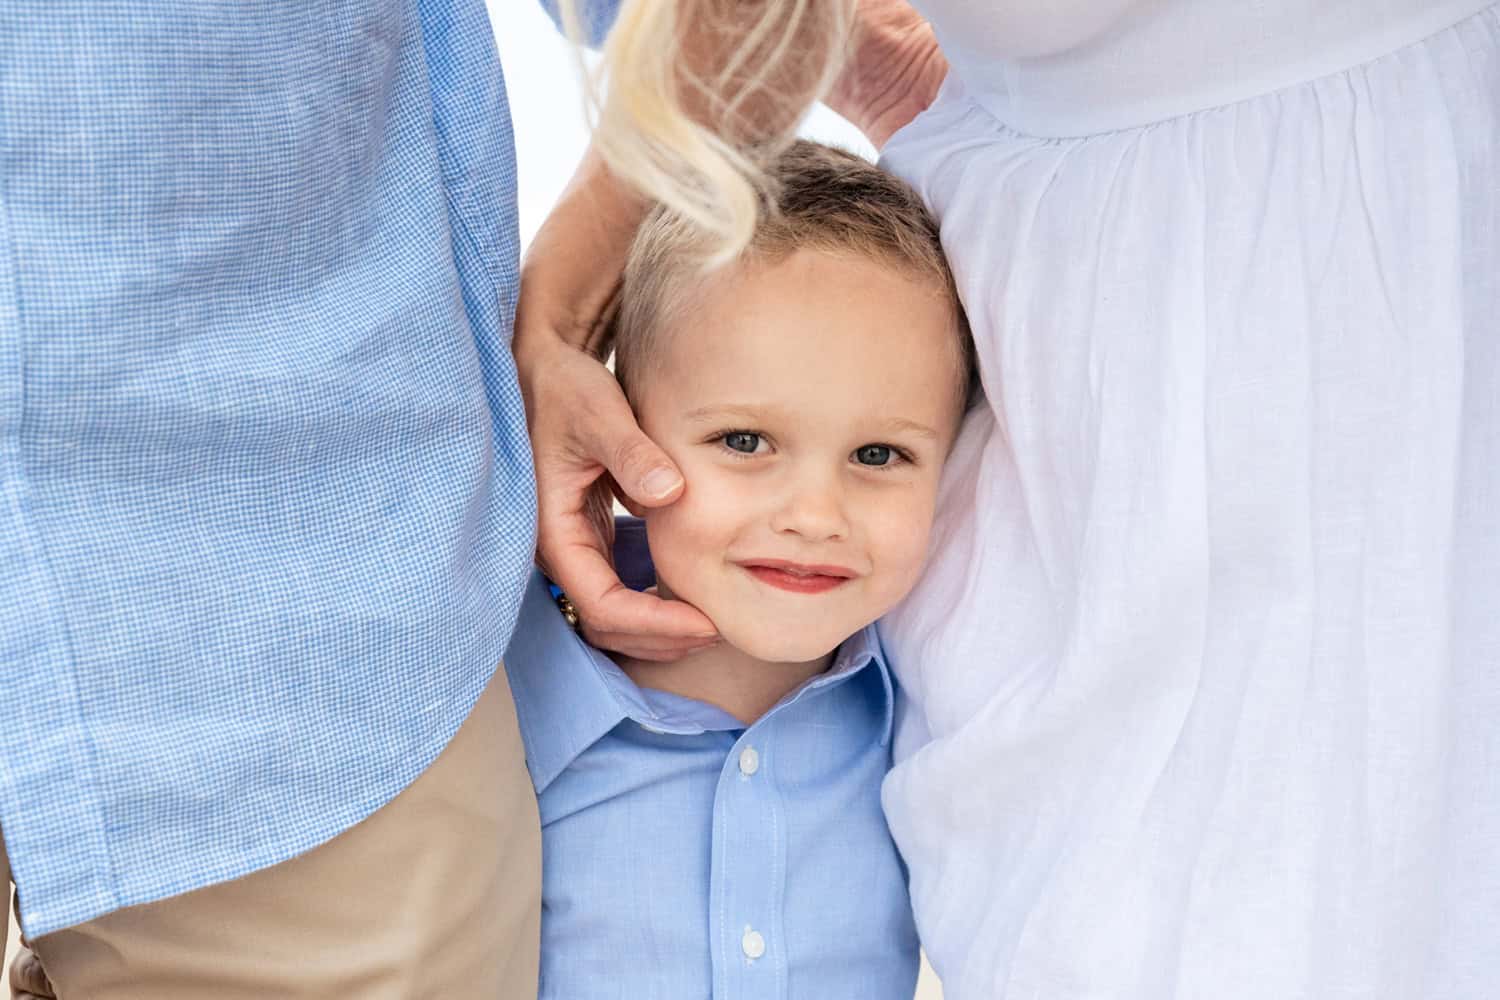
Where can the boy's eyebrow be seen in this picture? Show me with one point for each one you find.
(750, 413)
(753, 414)
(912, 427)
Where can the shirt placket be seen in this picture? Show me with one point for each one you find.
(749, 872)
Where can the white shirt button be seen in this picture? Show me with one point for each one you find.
(749, 761)
(753, 945)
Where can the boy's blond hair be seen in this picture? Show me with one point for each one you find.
(820, 198)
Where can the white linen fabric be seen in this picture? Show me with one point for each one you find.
(1203, 681)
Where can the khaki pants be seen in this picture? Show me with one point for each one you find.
(437, 894)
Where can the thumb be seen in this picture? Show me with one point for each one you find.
(643, 471)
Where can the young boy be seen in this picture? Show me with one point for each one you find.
(712, 826)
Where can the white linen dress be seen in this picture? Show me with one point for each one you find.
(1204, 678)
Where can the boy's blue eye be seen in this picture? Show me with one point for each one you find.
(873, 454)
(742, 441)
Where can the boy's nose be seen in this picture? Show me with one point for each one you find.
(813, 509)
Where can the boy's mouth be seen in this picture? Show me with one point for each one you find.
(798, 578)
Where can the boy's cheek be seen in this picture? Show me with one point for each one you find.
(710, 504)
(690, 533)
(904, 535)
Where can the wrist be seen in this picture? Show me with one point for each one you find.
(570, 278)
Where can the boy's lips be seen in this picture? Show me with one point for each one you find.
(799, 578)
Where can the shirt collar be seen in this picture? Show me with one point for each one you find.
(569, 695)
(561, 705)
(856, 653)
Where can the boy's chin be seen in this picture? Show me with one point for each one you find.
(776, 646)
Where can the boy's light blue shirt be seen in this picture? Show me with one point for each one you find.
(685, 855)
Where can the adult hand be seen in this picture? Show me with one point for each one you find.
(894, 69)
(583, 434)
(28, 980)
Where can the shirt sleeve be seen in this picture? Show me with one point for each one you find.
(596, 17)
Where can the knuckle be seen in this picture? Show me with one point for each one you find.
(633, 452)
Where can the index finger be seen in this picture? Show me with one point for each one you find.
(613, 617)
(605, 605)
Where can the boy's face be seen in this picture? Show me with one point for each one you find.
(810, 404)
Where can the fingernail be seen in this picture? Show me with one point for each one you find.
(659, 482)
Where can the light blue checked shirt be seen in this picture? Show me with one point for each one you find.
(687, 856)
(266, 506)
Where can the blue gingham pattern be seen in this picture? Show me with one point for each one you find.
(266, 504)
(676, 864)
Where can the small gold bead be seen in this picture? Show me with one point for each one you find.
(569, 613)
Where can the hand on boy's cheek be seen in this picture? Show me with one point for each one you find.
(583, 433)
